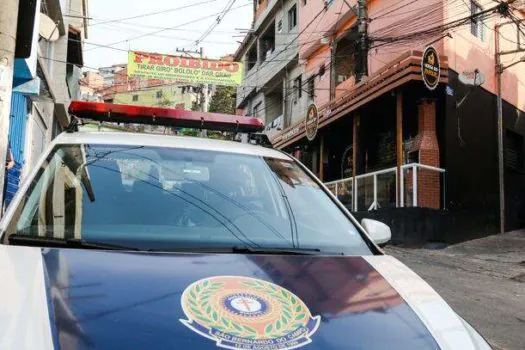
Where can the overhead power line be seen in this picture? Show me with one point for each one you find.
(218, 20)
(170, 28)
(150, 14)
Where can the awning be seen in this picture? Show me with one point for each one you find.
(396, 73)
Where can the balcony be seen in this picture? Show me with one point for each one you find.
(420, 186)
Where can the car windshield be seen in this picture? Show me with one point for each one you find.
(168, 199)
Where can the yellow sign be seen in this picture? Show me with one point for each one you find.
(184, 69)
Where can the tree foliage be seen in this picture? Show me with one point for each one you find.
(223, 100)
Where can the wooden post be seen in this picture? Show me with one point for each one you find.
(321, 158)
(399, 143)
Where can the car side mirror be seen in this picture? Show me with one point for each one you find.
(378, 231)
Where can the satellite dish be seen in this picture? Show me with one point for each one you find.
(472, 78)
(48, 28)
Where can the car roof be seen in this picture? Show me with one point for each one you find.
(170, 141)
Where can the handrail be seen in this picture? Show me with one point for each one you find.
(423, 166)
(378, 172)
(353, 182)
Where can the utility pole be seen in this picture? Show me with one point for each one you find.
(362, 28)
(8, 27)
(203, 100)
(500, 68)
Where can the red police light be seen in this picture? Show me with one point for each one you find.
(117, 113)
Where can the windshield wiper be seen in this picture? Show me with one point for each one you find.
(23, 239)
(279, 251)
(246, 250)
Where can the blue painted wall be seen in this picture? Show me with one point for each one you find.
(17, 135)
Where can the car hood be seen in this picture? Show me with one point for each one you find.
(86, 299)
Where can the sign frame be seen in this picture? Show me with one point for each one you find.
(307, 121)
(436, 64)
(184, 69)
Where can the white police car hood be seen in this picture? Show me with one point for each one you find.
(80, 299)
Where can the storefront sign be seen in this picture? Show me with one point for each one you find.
(311, 123)
(430, 68)
(184, 69)
(291, 133)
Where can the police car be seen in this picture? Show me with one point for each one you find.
(140, 241)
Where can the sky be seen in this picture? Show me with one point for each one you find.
(186, 25)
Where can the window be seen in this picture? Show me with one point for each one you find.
(267, 43)
(345, 58)
(329, 2)
(514, 157)
(280, 26)
(304, 2)
(195, 199)
(477, 28)
(298, 88)
(159, 94)
(135, 98)
(257, 110)
(251, 57)
(311, 87)
(292, 17)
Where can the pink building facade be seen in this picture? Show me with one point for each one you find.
(385, 141)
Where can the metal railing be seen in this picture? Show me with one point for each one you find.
(379, 189)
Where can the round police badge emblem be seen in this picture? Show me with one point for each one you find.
(247, 313)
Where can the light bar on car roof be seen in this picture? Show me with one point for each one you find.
(117, 113)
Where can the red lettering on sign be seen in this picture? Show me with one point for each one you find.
(214, 66)
(156, 59)
(232, 67)
(194, 63)
(184, 62)
(171, 61)
(139, 57)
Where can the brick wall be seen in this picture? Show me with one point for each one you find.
(426, 144)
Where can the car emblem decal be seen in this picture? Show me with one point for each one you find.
(247, 313)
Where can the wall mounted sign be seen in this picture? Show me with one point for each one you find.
(430, 68)
(290, 133)
(246, 313)
(311, 123)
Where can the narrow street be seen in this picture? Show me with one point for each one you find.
(483, 280)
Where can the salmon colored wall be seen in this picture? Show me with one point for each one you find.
(322, 84)
(412, 16)
(464, 51)
(430, 11)
(467, 52)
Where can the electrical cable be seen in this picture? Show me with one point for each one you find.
(214, 25)
(150, 14)
(174, 27)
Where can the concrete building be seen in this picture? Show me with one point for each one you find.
(176, 95)
(91, 86)
(423, 160)
(271, 89)
(45, 82)
(110, 74)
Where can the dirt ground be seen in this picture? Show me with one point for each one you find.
(482, 280)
